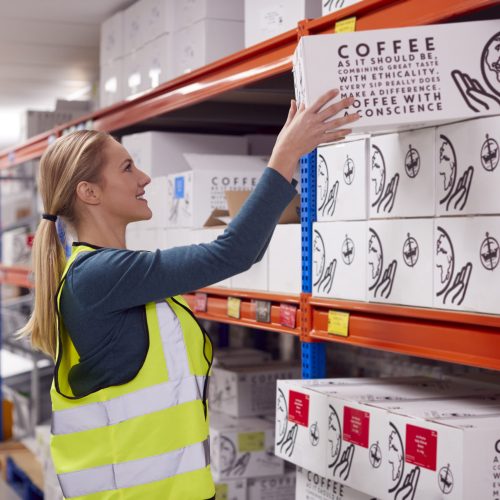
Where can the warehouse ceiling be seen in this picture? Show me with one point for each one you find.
(49, 49)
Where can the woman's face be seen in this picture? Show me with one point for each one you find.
(122, 186)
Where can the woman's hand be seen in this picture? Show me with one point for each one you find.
(305, 129)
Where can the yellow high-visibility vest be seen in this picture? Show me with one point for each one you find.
(148, 438)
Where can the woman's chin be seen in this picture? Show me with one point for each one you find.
(144, 215)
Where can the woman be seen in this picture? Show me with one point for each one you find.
(129, 396)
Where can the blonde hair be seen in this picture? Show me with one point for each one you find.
(70, 160)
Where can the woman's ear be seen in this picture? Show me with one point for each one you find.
(88, 193)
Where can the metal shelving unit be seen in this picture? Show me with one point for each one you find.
(256, 83)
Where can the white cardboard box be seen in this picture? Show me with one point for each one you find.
(256, 278)
(272, 488)
(467, 173)
(404, 77)
(175, 237)
(158, 18)
(111, 83)
(267, 18)
(204, 42)
(158, 63)
(456, 458)
(111, 44)
(285, 273)
(207, 235)
(339, 260)
(193, 195)
(188, 12)
(311, 486)
(342, 181)
(248, 390)
(400, 261)
(232, 489)
(330, 6)
(134, 73)
(301, 423)
(402, 169)
(133, 28)
(162, 153)
(242, 448)
(466, 257)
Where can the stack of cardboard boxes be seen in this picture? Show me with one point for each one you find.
(156, 40)
(242, 393)
(191, 179)
(407, 217)
(415, 438)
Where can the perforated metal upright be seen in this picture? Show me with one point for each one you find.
(313, 353)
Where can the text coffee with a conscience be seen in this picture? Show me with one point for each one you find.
(391, 78)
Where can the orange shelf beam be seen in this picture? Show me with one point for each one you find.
(267, 59)
(217, 308)
(456, 337)
(16, 275)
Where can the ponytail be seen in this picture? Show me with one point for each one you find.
(70, 160)
(48, 260)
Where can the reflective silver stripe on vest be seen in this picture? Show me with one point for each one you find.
(172, 339)
(135, 472)
(138, 403)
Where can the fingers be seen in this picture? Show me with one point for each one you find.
(292, 112)
(335, 108)
(336, 135)
(322, 100)
(340, 122)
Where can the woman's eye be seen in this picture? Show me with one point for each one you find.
(128, 167)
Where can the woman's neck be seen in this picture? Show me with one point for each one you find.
(102, 235)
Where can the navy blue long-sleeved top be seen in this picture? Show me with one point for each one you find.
(102, 302)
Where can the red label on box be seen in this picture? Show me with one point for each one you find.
(298, 412)
(288, 315)
(356, 426)
(421, 447)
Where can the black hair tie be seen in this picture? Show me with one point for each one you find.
(52, 218)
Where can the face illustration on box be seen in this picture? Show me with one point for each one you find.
(456, 190)
(380, 280)
(383, 193)
(334, 437)
(396, 456)
(323, 275)
(226, 455)
(490, 63)
(221, 392)
(339, 461)
(482, 95)
(327, 201)
(453, 287)
(287, 434)
(403, 487)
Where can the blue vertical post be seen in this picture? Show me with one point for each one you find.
(313, 353)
